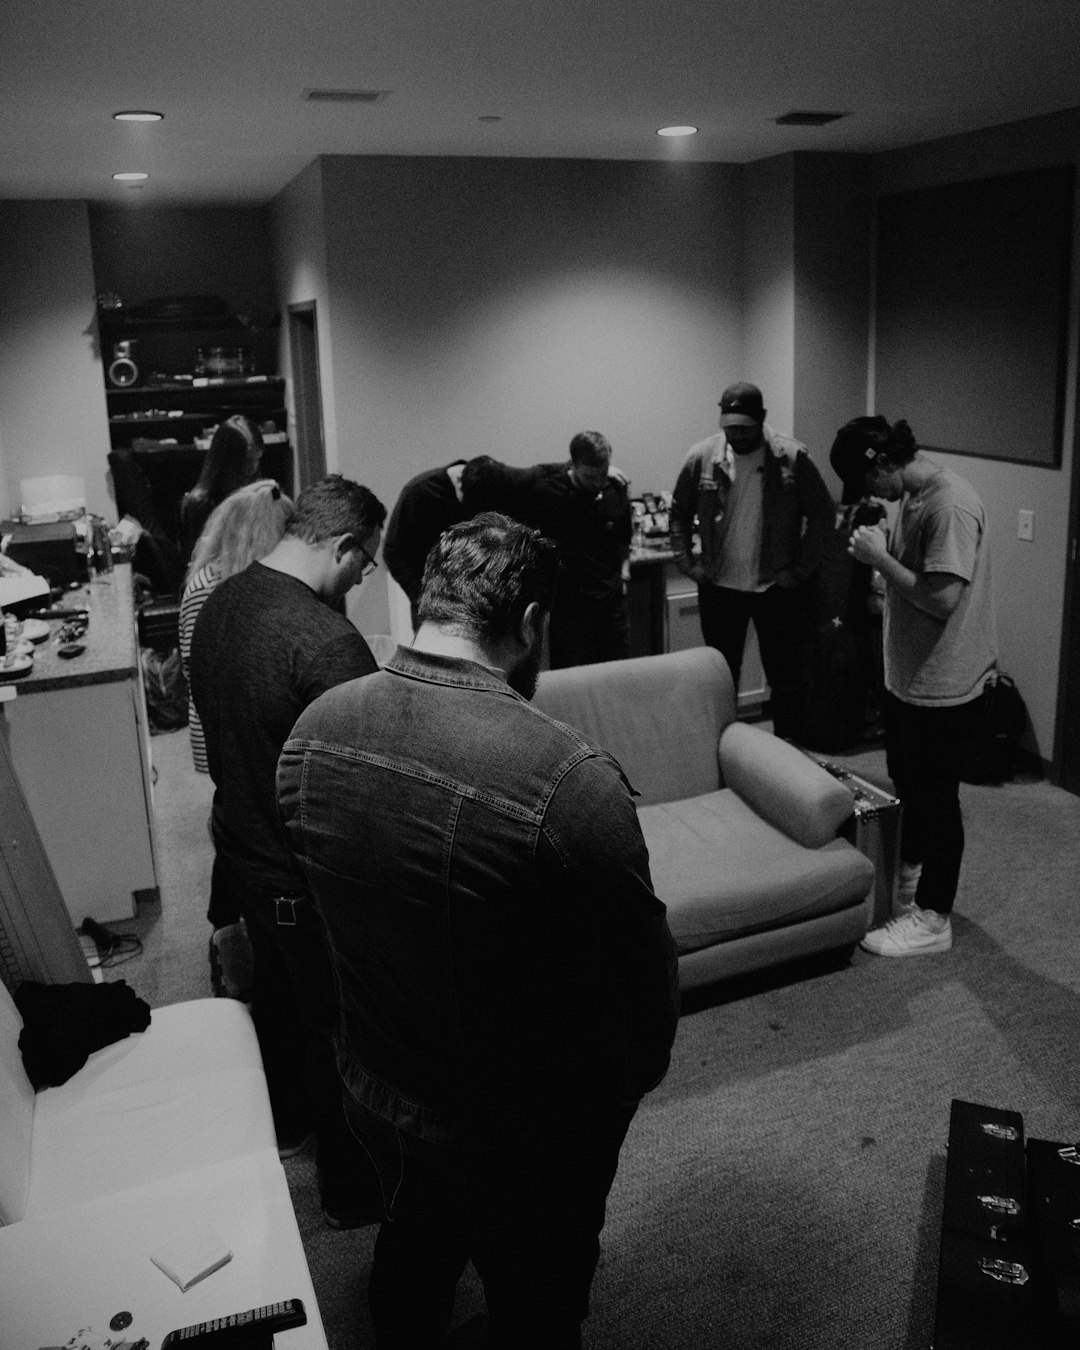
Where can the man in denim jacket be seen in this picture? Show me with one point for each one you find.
(764, 516)
(508, 982)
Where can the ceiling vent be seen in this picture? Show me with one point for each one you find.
(808, 119)
(346, 95)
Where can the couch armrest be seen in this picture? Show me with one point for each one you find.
(783, 785)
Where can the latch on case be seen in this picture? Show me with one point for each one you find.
(1000, 1204)
(996, 1131)
(1008, 1272)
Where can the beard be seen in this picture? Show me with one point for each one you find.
(525, 676)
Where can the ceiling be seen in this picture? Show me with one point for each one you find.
(565, 78)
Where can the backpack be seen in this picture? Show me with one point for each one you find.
(990, 756)
(165, 688)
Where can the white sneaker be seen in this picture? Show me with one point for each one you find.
(918, 932)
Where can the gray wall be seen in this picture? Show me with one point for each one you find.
(500, 306)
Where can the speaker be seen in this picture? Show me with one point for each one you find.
(123, 372)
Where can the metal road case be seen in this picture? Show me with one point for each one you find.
(874, 829)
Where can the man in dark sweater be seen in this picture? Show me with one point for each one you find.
(267, 643)
(434, 500)
(583, 507)
(428, 504)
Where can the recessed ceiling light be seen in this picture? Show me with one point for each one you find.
(135, 115)
(677, 131)
(130, 177)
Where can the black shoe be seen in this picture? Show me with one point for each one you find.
(471, 1335)
(289, 1147)
(351, 1211)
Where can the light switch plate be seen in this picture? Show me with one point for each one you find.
(1025, 528)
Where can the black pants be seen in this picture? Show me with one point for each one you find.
(294, 1008)
(924, 749)
(779, 617)
(527, 1216)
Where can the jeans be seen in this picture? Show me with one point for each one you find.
(528, 1217)
(924, 750)
(779, 617)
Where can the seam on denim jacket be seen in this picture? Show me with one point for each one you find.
(504, 805)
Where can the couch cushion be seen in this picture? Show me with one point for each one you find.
(186, 1093)
(724, 872)
(16, 1114)
(660, 716)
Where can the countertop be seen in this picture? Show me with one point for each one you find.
(111, 653)
(658, 552)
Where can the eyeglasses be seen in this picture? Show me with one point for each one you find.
(370, 563)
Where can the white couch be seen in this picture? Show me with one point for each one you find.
(156, 1136)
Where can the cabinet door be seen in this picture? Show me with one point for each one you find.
(80, 757)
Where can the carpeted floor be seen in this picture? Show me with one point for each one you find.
(782, 1187)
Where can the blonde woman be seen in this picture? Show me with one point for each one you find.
(244, 527)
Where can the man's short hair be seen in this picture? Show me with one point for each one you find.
(482, 575)
(590, 447)
(334, 506)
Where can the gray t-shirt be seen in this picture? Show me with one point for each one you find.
(740, 563)
(934, 662)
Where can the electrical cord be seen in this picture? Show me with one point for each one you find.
(123, 949)
(113, 949)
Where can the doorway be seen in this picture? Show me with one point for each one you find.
(307, 394)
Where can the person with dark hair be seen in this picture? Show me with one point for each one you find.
(434, 500)
(268, 641)
(583, 506)
(764, 516)
(940, 647)
(508, 983)
(232, 462)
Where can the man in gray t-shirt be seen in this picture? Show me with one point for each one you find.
(940, 649)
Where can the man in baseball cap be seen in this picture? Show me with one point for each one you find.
(764, 517)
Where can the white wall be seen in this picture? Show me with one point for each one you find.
(52, 395)
(1029, 578)
(499, 306)
(768, 303)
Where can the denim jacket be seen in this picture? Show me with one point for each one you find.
(503, 965)
(797, 512)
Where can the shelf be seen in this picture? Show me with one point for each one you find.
(271, 382)
(205, 323)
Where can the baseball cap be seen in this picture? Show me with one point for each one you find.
(741, 406)
(854, 451)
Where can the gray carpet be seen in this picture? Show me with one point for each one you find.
(782, 1187)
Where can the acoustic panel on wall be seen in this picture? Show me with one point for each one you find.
(972, 313)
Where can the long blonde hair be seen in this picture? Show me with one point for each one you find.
(245, 526)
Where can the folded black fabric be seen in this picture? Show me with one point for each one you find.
(63, 1024)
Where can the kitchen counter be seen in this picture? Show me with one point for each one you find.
(644, 555)
(80, 747)
(111, 653)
